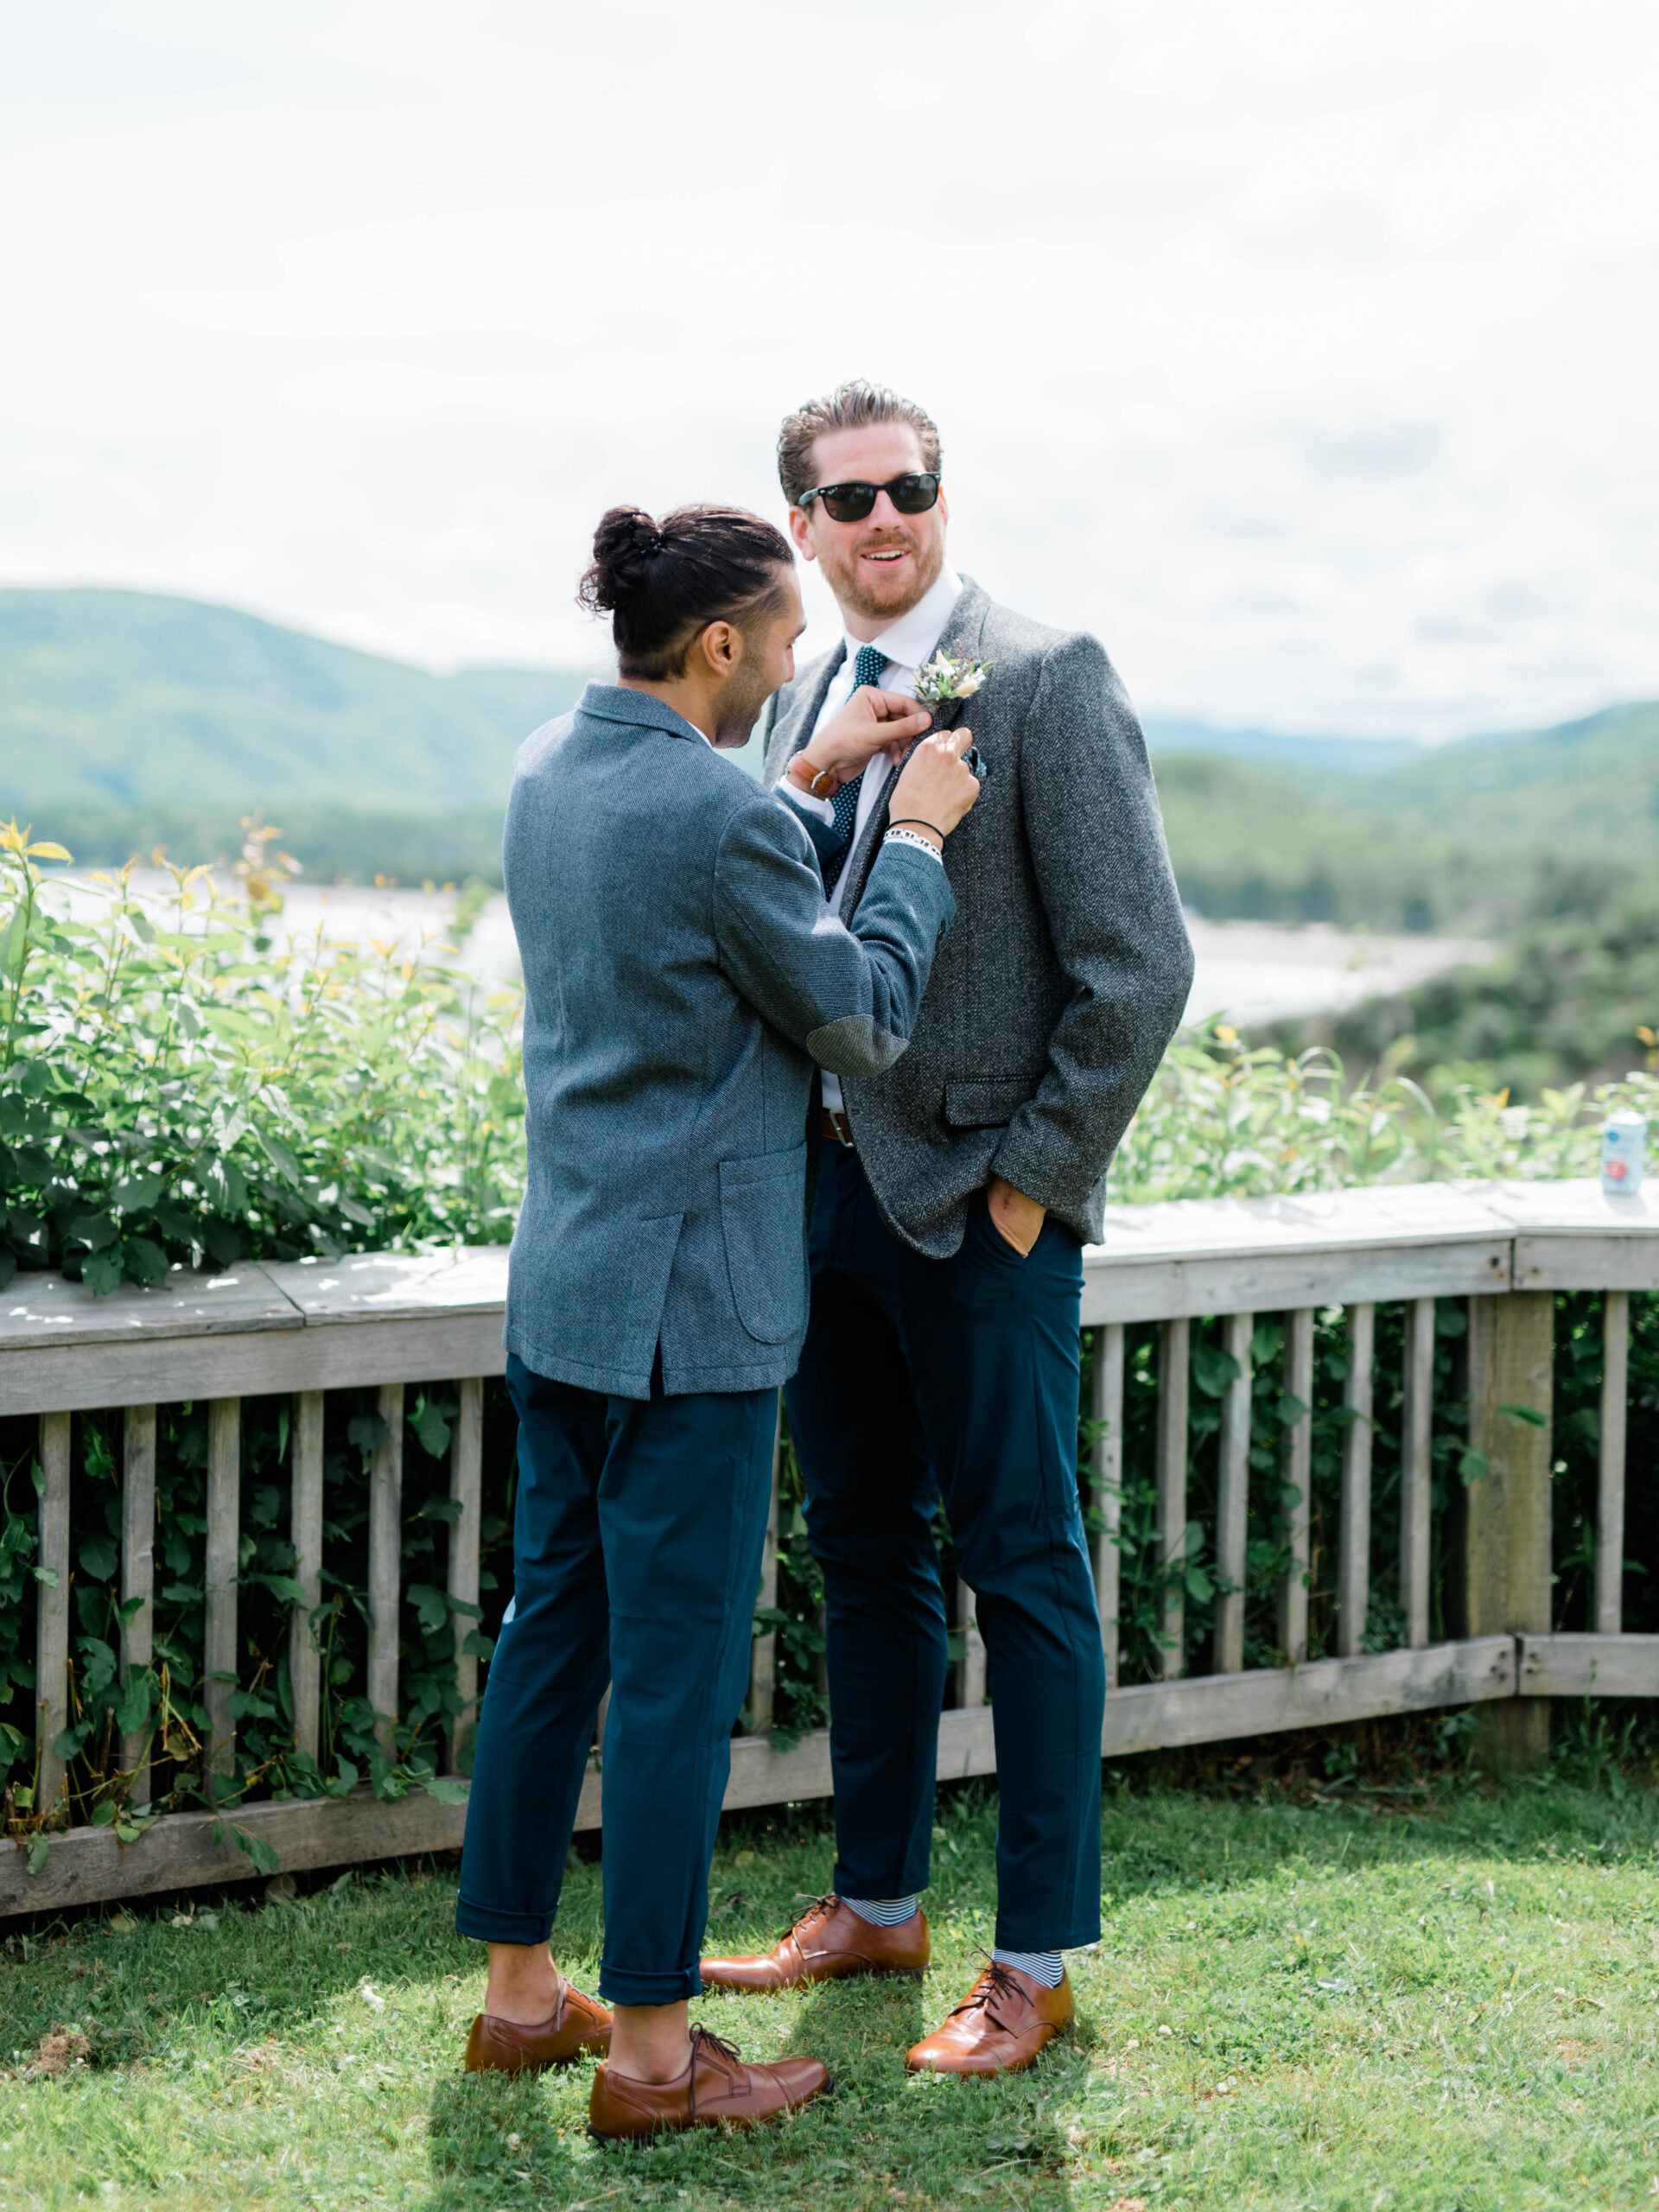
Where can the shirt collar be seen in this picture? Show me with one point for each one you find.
(909, 642)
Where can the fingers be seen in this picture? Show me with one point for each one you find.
(892, 706)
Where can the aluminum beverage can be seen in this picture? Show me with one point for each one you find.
(1623, 1149)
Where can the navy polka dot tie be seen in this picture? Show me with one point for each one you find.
(867, 669)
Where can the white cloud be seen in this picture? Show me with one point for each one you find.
(1305, 353)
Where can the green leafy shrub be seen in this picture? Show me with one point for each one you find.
(182, 1085)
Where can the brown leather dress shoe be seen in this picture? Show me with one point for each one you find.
(828, 1941)
(999, 2027)
(716, 2085)
(576, 2024)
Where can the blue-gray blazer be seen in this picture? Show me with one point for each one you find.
(682, 974)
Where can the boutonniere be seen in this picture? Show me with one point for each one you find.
(945, 679)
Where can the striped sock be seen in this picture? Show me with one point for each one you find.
(881, 1913)
(1045, 1967)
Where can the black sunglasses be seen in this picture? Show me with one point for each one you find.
(912, 495)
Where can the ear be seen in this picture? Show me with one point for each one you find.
(800, 529)
(721, 646)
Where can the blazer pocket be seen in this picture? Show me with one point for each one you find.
(987, 1105)
(762, 1218)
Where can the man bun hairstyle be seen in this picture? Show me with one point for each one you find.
(662, 584)
(855, 406)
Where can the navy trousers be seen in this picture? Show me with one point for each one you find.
(955, 1377)
(636, 1556)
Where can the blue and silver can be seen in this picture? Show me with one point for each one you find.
(1623, 1150)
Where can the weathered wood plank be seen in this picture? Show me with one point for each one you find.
(137, 1569)
(40, 1311)
(1354, 1532)
(369, 1287)
(318, 1356)
(1233, 1498)
(87, 1864)
(1210, 1708)
(1416, 1468)
(305, 1532)
(386, 1550)
(1506, 1572)
(466, 1488)
(222, 1567)
(1174, 1350)
(1572, 1235)
(1296, 1481)
(1589, 1665)
(1106, 1411)
(52, 1609)
(1610, 1484)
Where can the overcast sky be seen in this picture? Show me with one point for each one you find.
(1309, 353)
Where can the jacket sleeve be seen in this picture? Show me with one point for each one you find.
(1096, 843)
(850, 998)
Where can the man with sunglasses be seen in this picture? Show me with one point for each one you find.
(956, 1193)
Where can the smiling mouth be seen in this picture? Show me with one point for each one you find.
(886, 553)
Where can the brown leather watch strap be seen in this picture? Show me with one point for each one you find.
(824, 782)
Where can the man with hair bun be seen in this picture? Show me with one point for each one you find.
(956, 1190)
(682, 976)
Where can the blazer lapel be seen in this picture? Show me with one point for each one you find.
(961, 635)
(800, 712)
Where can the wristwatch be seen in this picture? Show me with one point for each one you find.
(824, 783)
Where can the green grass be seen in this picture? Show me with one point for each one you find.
(1320, 2006)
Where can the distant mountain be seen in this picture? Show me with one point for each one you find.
(128, 720)
(1317, 757)
(127, 700)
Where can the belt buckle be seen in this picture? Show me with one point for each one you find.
(843, 1128)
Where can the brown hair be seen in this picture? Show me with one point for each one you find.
(855, 406)
(662, 584)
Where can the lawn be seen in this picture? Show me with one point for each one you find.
(1449, 2007)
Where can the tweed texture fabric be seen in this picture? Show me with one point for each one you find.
(681, 976)
(1068, 969)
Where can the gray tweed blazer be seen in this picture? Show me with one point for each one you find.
(1052, 1000)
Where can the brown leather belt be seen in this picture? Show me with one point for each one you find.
(838, 1129)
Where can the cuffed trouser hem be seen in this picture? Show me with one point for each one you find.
(1032, 1935)
(491, 1927)
(620, 1985)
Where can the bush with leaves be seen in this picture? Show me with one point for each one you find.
(182, 1084)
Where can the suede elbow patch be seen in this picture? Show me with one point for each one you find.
(854, 1045)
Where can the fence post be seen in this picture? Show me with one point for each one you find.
(1354, 1537)
(970, 1675)
(466, 1488)
(137, 1572)
(1610, 1489)
(1174, 1347)
(1296, 1478)
(385, 1562)
(1233, 1495)
(1106, 1410)
(305, 1531)
(1416, 1469)
(763, 1650)
(224, 1565)
(1507, 1551)
(52, 1613)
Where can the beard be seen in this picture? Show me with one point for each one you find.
(851, 581)
(738, 708)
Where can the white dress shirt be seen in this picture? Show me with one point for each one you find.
(909, 644)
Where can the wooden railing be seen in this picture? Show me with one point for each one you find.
(389, 1321)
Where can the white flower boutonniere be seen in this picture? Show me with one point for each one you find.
(944, 679)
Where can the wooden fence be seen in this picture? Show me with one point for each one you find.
(388, 1322)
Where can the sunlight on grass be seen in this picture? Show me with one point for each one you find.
(1326, 2008)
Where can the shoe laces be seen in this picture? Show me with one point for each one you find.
(706, 2043)
(995, 1982)
(820, 1909)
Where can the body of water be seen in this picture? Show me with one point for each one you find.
(1256, 972)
